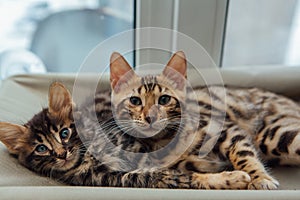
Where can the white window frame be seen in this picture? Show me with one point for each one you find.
(177, 15)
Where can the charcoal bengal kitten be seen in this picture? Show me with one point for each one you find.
(155, 131)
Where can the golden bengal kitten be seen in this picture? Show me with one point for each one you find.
(155, 131)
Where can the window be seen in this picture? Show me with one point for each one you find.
(201, 20)
(262, 33)
(234, 33)
(20, 18)
(56, 36)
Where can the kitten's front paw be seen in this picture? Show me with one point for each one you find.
(223, 180)
(264, 183)
(236, 179)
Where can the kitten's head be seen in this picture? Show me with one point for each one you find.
(48, 142)
(148, 105)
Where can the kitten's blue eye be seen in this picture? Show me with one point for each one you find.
(135, 101)
(41, 148)
(64, 133)
(164, 99)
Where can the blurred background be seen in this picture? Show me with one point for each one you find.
(262, 32)
(55, 36)
(40, 36)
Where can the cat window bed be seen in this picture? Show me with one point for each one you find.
(23, 95)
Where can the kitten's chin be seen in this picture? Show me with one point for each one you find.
(146, 132)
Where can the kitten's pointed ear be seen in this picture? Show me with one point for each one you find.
(60, 100)
(177, 63)
(12, 136)
(118, 68)
(176, 70)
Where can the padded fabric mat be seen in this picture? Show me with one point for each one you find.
(23, 95)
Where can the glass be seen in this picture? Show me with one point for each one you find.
(262, 33)
(60, 33)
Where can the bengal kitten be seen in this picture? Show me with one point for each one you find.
(152, 131)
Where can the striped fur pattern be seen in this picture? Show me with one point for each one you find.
(129, 144)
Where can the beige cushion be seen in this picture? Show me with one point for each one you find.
(23, 95)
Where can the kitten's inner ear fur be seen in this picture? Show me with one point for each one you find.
(60, 100)
(118, 69)
(176, 69)
(13, 136)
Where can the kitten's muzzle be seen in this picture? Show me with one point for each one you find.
(61, 154)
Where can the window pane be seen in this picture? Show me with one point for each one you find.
(59, 33)
(262, 33)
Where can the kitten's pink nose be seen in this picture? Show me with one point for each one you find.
(150, 119)
(150, 114)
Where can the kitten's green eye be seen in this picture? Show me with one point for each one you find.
(41, 148)
(164, 99)
(64, 133)
(135, 101)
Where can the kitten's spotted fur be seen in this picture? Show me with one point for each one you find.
(146, 115)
